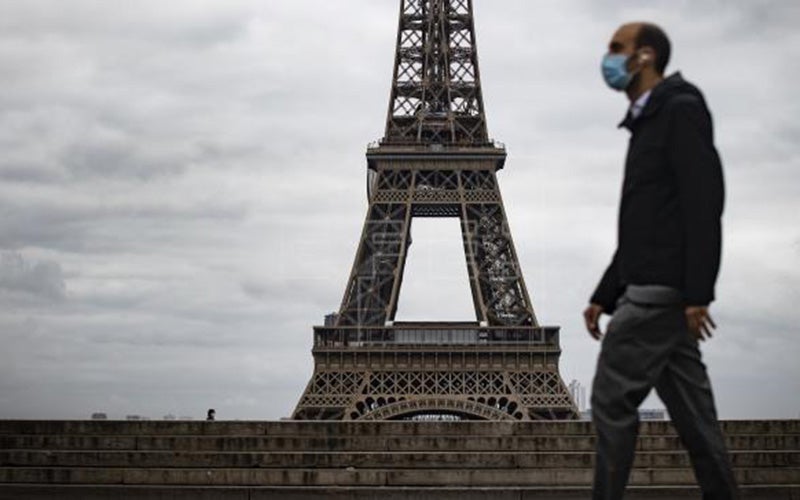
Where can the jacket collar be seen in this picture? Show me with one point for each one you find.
(655, 101)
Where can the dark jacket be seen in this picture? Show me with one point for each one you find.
(672, 199)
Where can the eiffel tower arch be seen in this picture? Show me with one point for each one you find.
(435, 160)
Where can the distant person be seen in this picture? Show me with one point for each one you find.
(661, 280)
(211, 415)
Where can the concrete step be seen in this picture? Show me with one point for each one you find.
(359, 428)
(370, 477)
(437, 460)
(369, 443)
(85, 460)
(62, 492)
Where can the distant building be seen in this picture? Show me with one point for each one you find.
(578, 392)
(99, 416)
(133, 417)
(169, 416)
(645, 415)
(652, 414)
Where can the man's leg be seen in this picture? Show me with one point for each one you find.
(635, 349)
(685, 388)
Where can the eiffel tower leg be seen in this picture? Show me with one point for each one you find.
(373, 288)
(498, 287)
(370, 299)
(368, 368)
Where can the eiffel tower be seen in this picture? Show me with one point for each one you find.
(435, 160)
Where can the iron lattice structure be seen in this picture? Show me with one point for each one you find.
(436, 160)
(436, 90)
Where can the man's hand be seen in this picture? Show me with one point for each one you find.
(700, 322)
(592, 318)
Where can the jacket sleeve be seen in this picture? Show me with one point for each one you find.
(701, 194)
(609, 289)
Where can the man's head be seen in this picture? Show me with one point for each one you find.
(645, 50)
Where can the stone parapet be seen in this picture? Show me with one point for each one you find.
(310, 460)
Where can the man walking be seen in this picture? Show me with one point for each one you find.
(661, 279)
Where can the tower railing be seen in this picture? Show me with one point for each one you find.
(435, 334)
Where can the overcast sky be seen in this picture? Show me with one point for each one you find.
(182, 189)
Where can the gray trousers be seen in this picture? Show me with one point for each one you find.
(648, 344)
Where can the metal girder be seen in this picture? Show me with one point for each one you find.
(436, 90)
(494, 373)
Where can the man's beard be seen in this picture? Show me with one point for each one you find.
(635, 81)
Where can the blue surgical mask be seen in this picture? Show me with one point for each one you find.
(615, 71)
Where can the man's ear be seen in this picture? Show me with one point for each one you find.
(647, 56)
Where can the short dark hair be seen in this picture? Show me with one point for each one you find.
(653, 36)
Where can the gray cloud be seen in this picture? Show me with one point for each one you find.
(41, 278)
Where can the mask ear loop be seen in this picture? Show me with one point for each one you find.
(640, 58)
